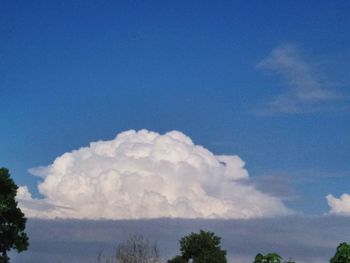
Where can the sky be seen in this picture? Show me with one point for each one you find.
(191, 109)
(304, 239)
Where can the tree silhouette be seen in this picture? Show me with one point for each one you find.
(201, 248)
(12, 220)
(136, 249)
(342, 255)
(268, 258)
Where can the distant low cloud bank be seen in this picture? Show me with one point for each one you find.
(305, 239)
(147, 175)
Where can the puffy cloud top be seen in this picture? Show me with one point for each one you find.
(147, 175)
(340, 206)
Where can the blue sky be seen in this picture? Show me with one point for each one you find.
(221, 72)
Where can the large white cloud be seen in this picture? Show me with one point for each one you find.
(340, 206)
(147, 175)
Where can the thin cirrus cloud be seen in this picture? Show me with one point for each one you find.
(304, 90)
(147, 175)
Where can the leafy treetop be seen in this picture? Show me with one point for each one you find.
(201, 248)
(268, 258)
(342, 255)
(12, 220)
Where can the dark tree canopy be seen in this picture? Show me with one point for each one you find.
(201, 248)
(268, 258)
(12, 220)
(342, 255)
(177, 259)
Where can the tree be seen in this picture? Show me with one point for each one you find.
(268, 258)
(201, 248)
(12, 220)
(342, 255)
(136, 249)
(177, 259)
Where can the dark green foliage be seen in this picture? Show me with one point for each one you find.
(259, 258)
(342, 255)
(12, 220)
(177, 259)
(201, 248)
(268, 258)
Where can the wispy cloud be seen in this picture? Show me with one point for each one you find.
(304, 90)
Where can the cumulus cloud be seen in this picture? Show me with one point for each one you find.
(147, 175)
(339, 206)
(305, 91)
